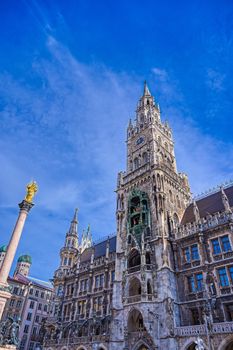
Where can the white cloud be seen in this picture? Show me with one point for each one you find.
(68, 133)
(207, 160)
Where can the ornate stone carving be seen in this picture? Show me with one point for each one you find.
(9, 332)
(199, 344)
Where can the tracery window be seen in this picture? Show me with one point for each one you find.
(223, 278)
(191, 253)
(195, 282)
(221, 244)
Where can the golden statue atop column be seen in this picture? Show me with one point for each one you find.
(32, 188)
(25, 206)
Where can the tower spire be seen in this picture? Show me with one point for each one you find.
(146, 91)
(74, 224)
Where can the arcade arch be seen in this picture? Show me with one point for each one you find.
(135, 321)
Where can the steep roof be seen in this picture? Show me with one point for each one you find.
(99, 249)
(3, 249)
(208, 205)
(26, 280)
(25, 258)
(40, 283)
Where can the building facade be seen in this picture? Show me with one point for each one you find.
(31, 302)
(165, 280)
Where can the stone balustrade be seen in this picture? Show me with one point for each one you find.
(137, 298)
(187, 331)
(217, 328)
(224, 327)
(77, 340)
(203, 224)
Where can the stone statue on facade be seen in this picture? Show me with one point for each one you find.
(9, 332)
(225, 201)
(32, 188)
(196, 211)
(199, 344)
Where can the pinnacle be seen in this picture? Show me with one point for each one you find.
(146, 91)
(75, 215)
(74, 222)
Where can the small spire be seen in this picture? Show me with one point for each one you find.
(146, 91)
(225, 200)
(196, 211)
(74, 223)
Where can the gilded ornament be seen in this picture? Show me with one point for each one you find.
(32, 188)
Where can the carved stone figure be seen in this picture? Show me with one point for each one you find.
(196, 211)
(170, 306)
(199, 344)
(9, 332)
(225, 201)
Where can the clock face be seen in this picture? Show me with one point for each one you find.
(140, 140)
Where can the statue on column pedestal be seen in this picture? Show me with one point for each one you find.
(32, 188)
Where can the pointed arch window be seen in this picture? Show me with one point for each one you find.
(136, 163)
(145, 157)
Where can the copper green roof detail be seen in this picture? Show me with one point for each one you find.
(25, 258)
(3, 249)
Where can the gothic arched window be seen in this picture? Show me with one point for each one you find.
(145, 157)
(176, 220)
(136, 163)
(134, 259)
(158, 182)
(170, 196)
(178, 201)
(148, 258)
(149, 289)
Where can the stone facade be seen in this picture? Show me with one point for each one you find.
(30, 302)
(166, 277)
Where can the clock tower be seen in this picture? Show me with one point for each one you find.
(151, 198)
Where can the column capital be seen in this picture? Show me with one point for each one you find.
(26, 206)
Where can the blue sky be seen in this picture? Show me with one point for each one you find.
(71, 73)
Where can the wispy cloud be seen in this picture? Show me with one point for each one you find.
(66, 130)
(206, 160)
(63, 123)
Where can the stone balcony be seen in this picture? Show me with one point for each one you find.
(217, 328)
(147, 267)
(138, 299)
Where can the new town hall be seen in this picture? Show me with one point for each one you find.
(165, 281)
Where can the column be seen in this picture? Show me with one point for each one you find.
(25, 206)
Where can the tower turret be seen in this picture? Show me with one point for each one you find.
(151, 199)
(3, 249)
(23, 265)
(68, 252)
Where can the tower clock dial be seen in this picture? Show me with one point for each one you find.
(140, 140)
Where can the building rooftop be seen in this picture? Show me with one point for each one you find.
(99, 249)
(35, 281)
(210, 204)
(3, 249)
(25, 258)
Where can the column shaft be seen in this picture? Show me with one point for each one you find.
(13, 244)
